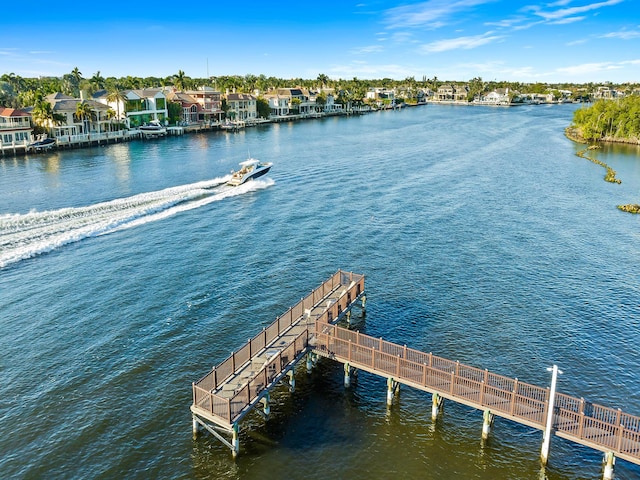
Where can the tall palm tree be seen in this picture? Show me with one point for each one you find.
(85, 112)
(179, 81)
(44, 116)
(97, 81)
(117, 97)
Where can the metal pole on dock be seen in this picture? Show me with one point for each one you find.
(544, 454)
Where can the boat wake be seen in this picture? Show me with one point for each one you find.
(26, 235)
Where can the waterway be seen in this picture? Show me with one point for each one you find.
(127, 272)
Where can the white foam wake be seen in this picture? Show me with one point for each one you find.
(27, 235)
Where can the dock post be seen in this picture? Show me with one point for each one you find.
(486, 425)
(363, 301)
(309, 362)
(266, 405)
(195, 426)
(609, 461)
(392, 388)
(235, 442)
(348, 315)
(292, 380)
(347, 375)
(544, 453)
(436, 405)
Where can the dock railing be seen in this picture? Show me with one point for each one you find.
(599, 427)
(204, 395)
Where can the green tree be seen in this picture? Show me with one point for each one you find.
(86, 113)
(116, 96)
(179, 81)
(262, 106)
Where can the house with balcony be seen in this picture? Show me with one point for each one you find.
(242, 107)
(210, 102)
(499, 96)
(279, 104)
(143, 106)
(15, 129)
(452, 93)
(192, 111)
(97, 122)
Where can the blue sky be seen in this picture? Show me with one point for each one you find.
(527, 41)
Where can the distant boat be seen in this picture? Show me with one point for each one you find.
(43, 143)
(153, 129)
(250, 170)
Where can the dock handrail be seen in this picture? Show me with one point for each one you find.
(204, 395)
(603, 428)
(229, 408)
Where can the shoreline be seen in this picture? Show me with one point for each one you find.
(610, 176)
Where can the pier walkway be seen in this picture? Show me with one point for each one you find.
(225, 395)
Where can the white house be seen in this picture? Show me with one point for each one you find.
(242, 106)
(15, 129)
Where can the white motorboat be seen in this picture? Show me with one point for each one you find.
(250, 170)
(153, 129)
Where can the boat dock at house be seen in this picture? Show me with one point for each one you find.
(242, 382)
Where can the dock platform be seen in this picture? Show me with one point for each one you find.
(223, 397)
(232, 389)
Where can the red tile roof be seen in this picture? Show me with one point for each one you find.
(12, 112)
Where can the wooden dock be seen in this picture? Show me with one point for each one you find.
(232, 389)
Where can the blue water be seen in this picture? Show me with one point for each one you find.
(126, 273)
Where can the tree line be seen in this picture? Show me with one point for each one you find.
(617, 120)
(20, 92)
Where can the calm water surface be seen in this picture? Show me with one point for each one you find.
(126, 273)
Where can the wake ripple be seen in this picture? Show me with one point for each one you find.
(24, 236)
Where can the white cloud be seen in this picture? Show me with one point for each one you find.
(576, 42)
(571, 11)
(589, 68)
(564, 21)
(464, 43)
(623, 34)
(432, 13)
(367, 49)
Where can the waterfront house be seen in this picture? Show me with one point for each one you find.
(145, 105)
(242, 106)
(445, 93)
(279, 104)
(191, 109)
(499, 96)
(15, 129)
(210, 102)
(96, 120)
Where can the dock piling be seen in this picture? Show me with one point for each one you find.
(486, 425)
(235, 442)
(292, 379)
(609, 462)
(393, 388)
(436, 405)
(347, 375)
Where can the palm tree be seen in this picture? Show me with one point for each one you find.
(323, 79)
(117, 97)
(77, 75)
(97, 81)
(179, 81)
(85, 112)
(44, 116)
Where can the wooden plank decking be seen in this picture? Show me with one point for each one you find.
(227, 393)
(594, 426)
